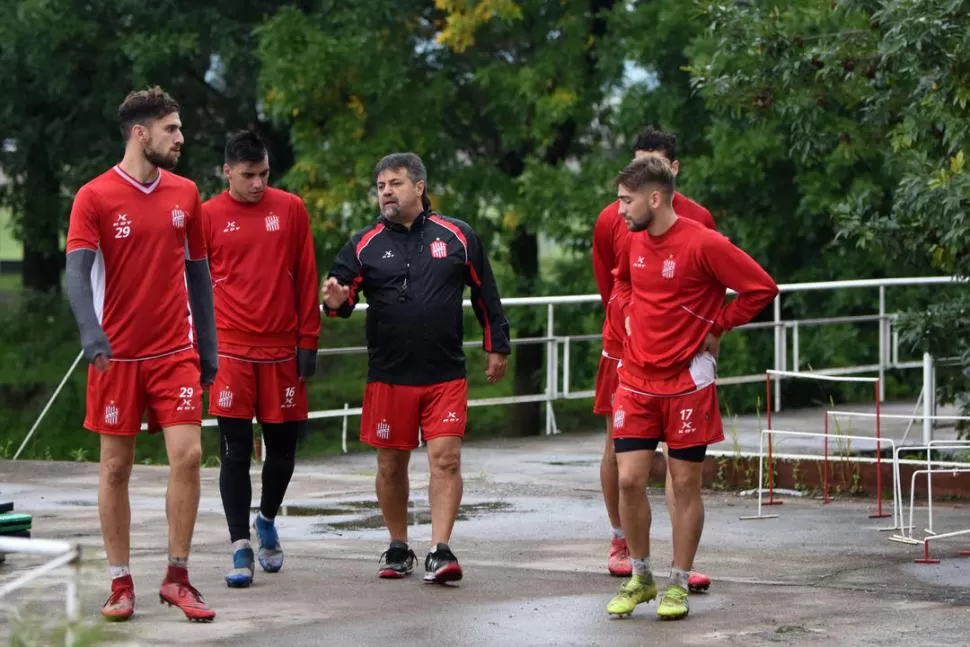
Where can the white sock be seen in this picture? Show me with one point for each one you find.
(641, 567)
(617, 533)
(119, 571)
(240, 544)
(679, 577)
(265, 518)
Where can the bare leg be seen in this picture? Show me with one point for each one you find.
(634, 472)
(445, 487)
(669, 494)
(609, 477)
(393, 490)
(114, 508)
(686, 509)
(183, 444)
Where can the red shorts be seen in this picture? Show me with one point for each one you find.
(268, 390)
(607, 380)
(392, 413)
(680, 421)
(168, 388)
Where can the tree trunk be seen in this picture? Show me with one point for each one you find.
(524, 258)
(41, 217)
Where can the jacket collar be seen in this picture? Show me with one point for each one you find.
(417, 224)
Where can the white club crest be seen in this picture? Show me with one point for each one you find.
(383, 429)
(669, 266)
(272, 222)
(439, 249)
(225, 398)
(618, 417)
(111, 414)
(178, 218)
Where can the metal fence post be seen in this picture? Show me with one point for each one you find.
(551, 366)
(780, 334)
(882, 343)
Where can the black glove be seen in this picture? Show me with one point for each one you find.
(306, 362)
(209, 366)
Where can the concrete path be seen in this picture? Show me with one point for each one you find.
(532, 540)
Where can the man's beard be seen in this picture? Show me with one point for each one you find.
(391, 211)
(640, 226)
(161, 161)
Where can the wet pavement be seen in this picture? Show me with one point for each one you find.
(532, 539)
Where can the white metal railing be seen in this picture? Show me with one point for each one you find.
(557, 375)
(888, 356)
(60, 554)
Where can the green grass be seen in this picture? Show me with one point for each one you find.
(10, 283)
(10, 248)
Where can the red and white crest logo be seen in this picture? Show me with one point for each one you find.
(178, 218)
(668, 268)
(272, 222)
(439, 248)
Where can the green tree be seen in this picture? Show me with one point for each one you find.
(65, 65)
(504, 100)
(870, 98)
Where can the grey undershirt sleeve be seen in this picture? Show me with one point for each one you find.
(81, 297)
(200, 298)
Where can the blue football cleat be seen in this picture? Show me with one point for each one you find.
(270, 550)
(243, 569)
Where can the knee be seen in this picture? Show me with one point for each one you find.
(392, 465)
(116, 472)
(684, 486)
(447, 462)
(631, 480)
(237, 456)
(186, 457)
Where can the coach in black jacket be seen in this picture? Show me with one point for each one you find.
(413, 265)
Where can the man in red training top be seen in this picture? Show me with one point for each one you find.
(264, 274)
(679, 273)
(136, 264)
(609, 243)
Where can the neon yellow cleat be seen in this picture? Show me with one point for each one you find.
(673, 603)
(634, 591)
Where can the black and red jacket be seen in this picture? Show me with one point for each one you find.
(414, 281)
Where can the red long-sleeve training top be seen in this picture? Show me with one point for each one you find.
(678, 283)
(264, 274)
(609, 243)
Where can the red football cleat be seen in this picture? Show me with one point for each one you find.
(698, 582)
(619, 562)
(120, 605)
(177, 592)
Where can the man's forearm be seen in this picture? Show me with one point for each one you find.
(200, 298)
(81, 297)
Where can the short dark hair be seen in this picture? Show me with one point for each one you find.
(411, 163)
(647, 171)
(653, 140)
(244, 146)
(143, 107)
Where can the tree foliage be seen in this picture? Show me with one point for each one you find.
(66, 65)
(826, 138)
(502, 99)
(873, 94)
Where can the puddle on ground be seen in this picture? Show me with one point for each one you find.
(339, 509)
(366, 515)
